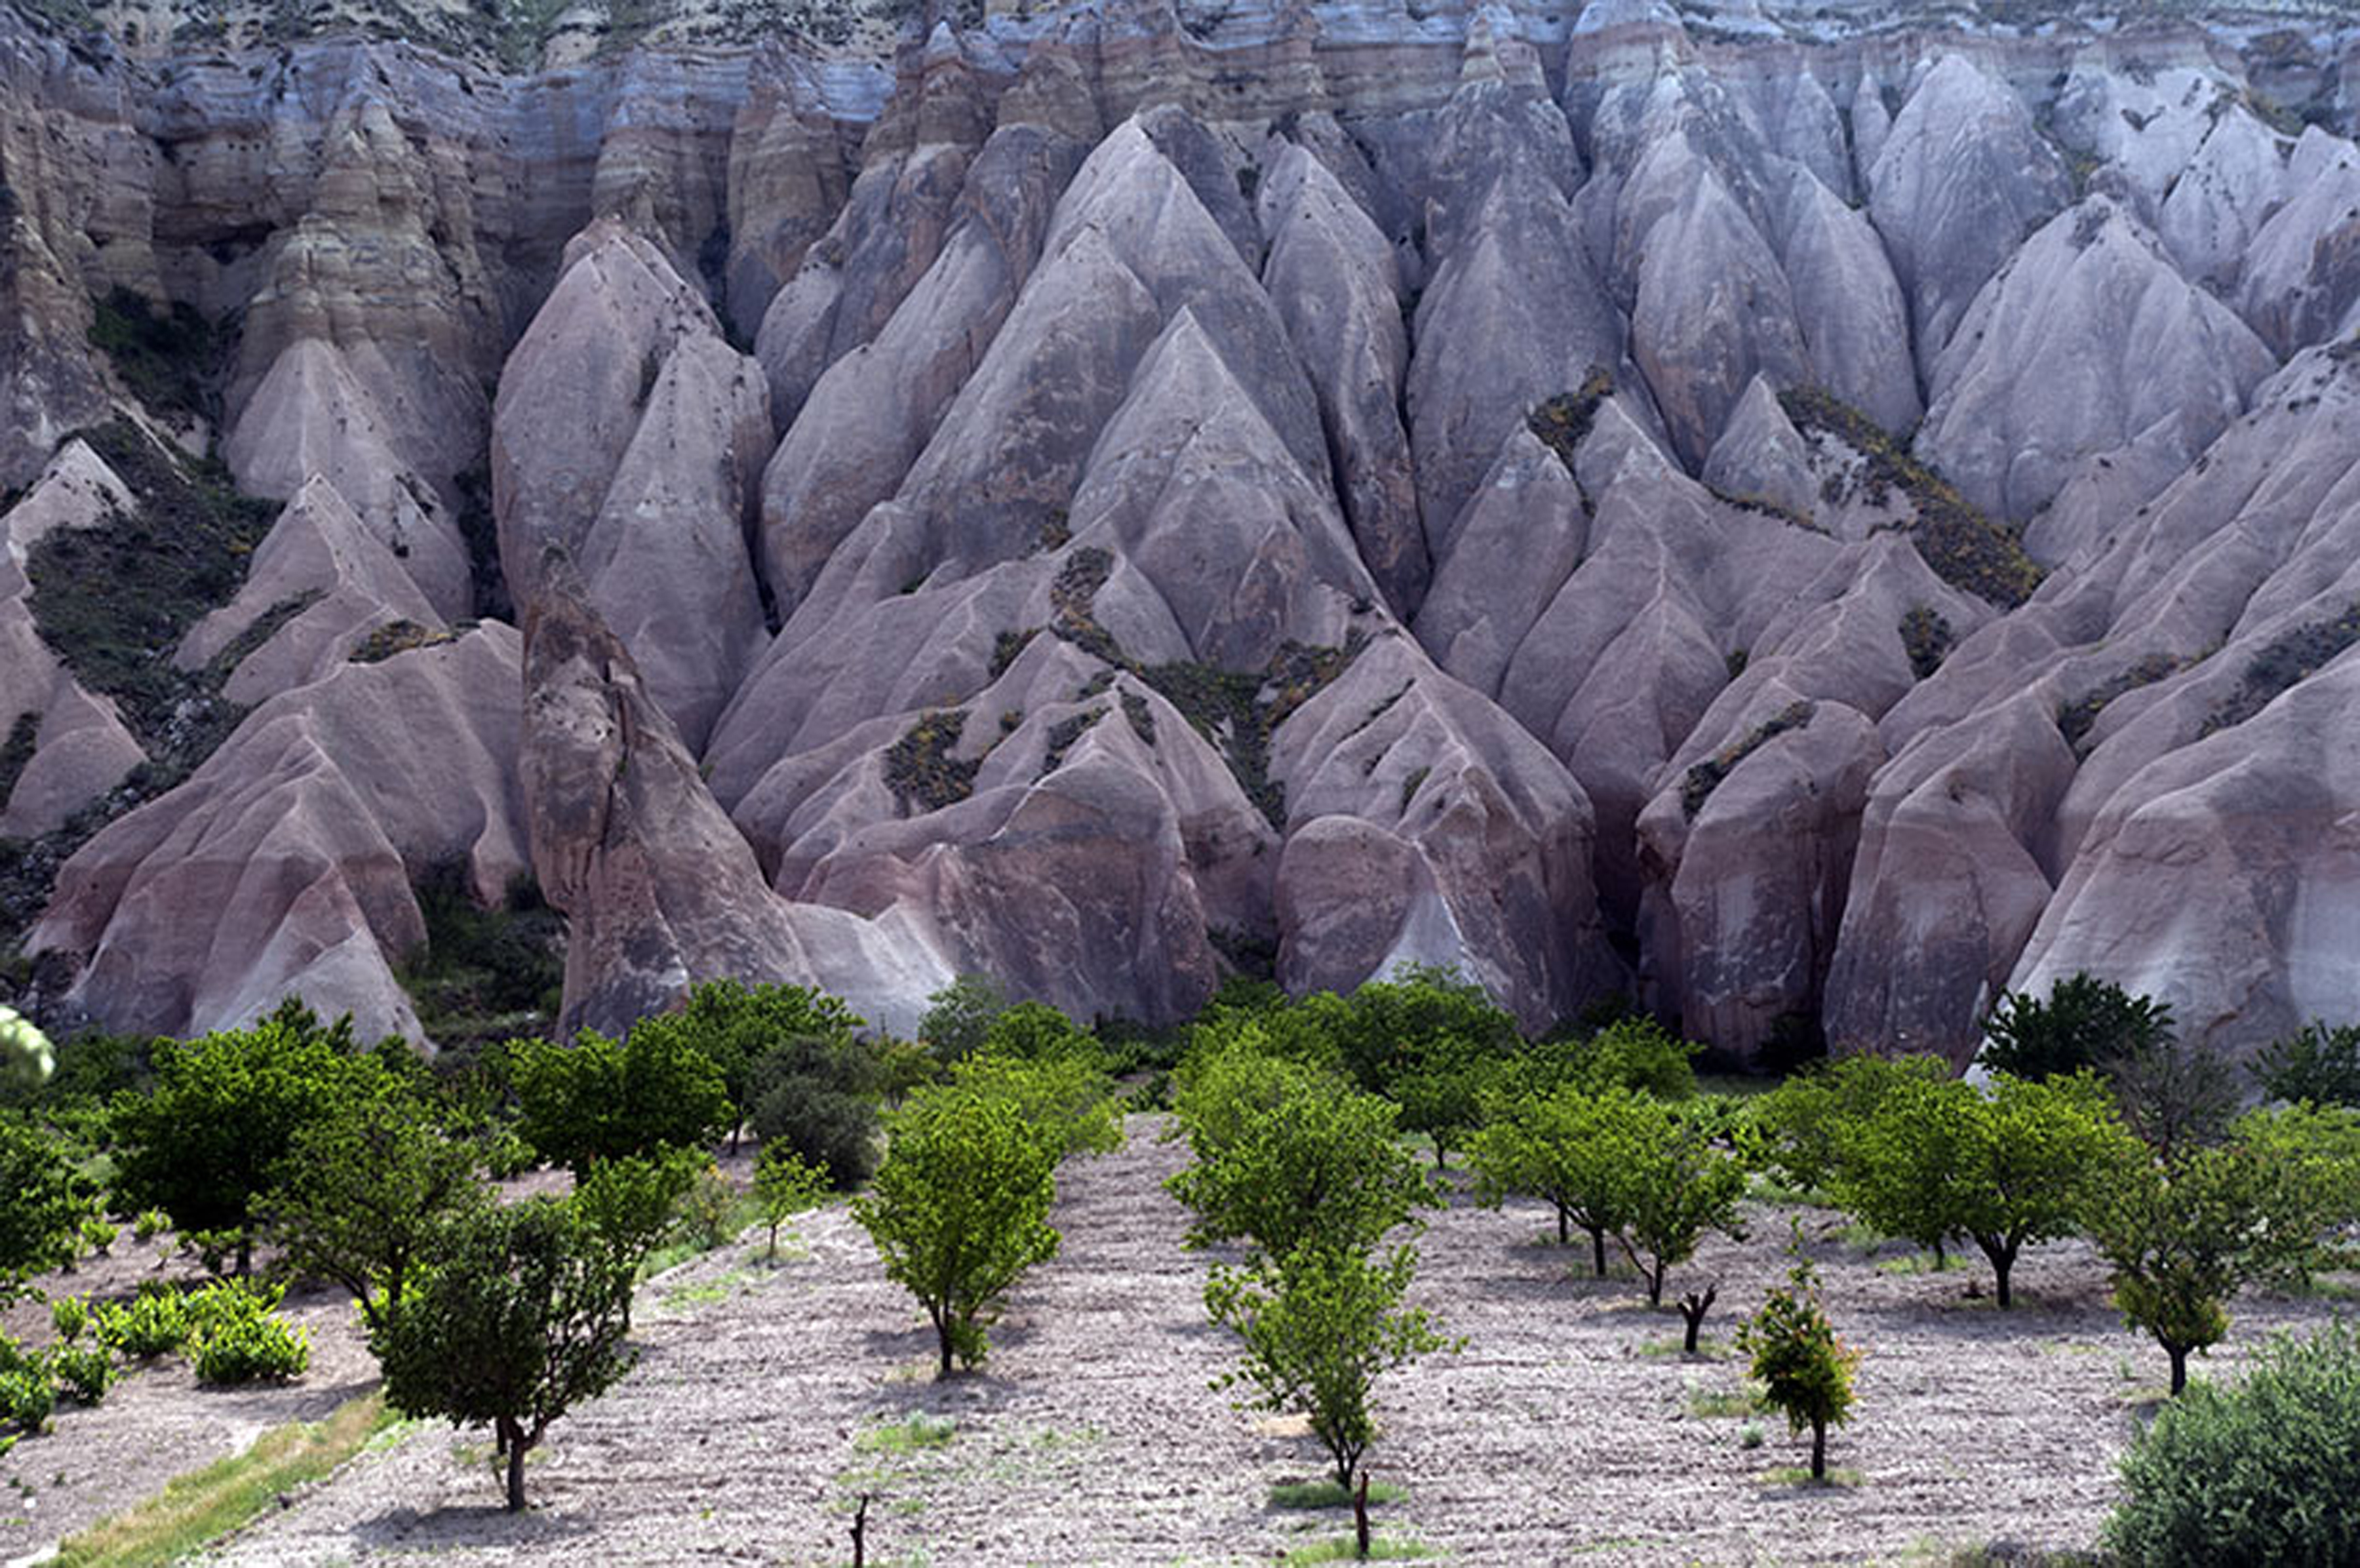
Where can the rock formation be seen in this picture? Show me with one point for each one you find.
(1808, 516)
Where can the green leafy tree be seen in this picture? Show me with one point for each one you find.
(1432, 1042)
(1035, 1031)
(959, 1016)
(43, 1203)
(209, 1141)
(1561, 1147)
(362, 1189)
(1892, 1161)
(521, 1315)
(2085, 1022)
(960, 1210)
(739, 1027)
(1633, 1052)
(1314, 1164)
(2180, 1236)
(1804, 1126)
(1222, 1089)
(2317, 1064)
(784, 1187)
(819, 1095)
(1679, 1184)
(1319, 1325)
(602, 1099)
(2027, 1155)
(2260, 1472)
(1066, 1100)
(631, 1202)
(1805, 1370)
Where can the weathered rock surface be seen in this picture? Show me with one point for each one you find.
(300, 841)
(1298, 491)
(627, 840)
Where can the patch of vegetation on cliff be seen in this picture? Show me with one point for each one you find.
(1927, 638)
(1562, 421)
(1235, 710)
(1007, 647)
(171, 359)
(396, 637)
(1064, 733)
(2287, 659)
(2075, 718)
(484, 974)
(1703, 778)
(114, 603)
(920, 768)
(1763, 507)
(1966, 550)
(16, 752)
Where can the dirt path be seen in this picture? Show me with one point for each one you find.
(1564, 1434)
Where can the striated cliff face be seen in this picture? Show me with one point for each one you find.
(1807, 514)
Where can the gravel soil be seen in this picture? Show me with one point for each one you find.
(1568, 1431)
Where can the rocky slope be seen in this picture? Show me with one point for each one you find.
(1808, 515)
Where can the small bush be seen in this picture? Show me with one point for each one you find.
(84, 1372)
(236, 1337)
(153, 1322)
(2260, 1473)
(2320, 1062)
(26, 1395)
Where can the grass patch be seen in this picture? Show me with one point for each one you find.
(1724, 1404)
(913, 1433)
(1923, 1263)
(1330, 1494)
(1709, 1347)
(687, 1243)
(1800, 1476)
(1381, 1548)
(196, 1509)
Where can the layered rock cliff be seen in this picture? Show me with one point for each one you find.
(1808, 516)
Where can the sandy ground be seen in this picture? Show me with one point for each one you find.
(1563, 1433)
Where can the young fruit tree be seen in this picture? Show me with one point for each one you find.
(362, 1189)
(1680, 1182)
(1561, 1146)
(520, 1315)
(1319, 1326)
(2181, 1235)
(2029, 1156)
(1314, 1163)
(1805, 1370)
(960, 1209)
(208, 1142)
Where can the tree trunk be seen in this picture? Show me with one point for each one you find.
(2002, 1254)
(1941, 1256)
(1564, 1225)
(1597, 1248)
(1819, 1451)
(1693, 1308)
(860, 1533)
(513, 1435)
(943, 1335)
(1441, 1156)
(1361, 1517)
(2178, 1353)
(1655, 1278)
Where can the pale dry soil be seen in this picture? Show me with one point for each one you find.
(1563, 1433)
